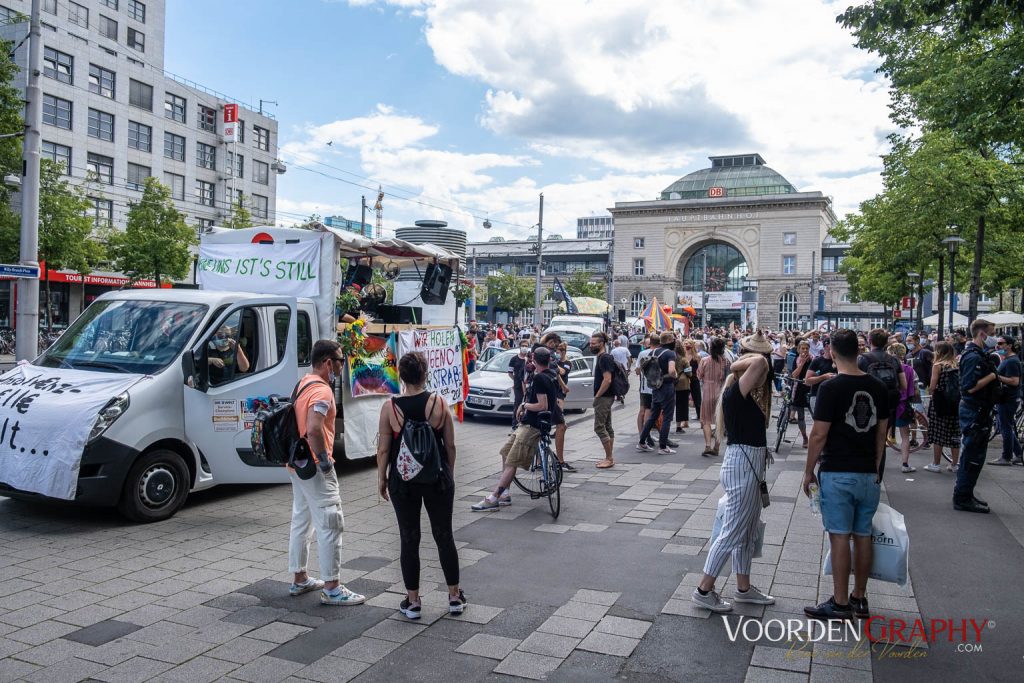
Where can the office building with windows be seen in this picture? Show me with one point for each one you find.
(113, 116)
(594, 228)
(562, 258)
(342, 223)
(739, 241)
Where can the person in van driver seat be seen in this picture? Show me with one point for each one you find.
(225, 356)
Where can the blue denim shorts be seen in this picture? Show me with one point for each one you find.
(848, 502)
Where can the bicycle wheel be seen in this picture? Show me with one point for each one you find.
(554, 483)
(532, 481)
(781, 425)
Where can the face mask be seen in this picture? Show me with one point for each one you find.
(522, 350)
(910, 344)
(557, 356)
(331, 377)
(990, 342)
(1001, 352)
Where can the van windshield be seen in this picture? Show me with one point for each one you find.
(125, 336)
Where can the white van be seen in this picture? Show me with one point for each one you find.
(182, 414)
(593, 322)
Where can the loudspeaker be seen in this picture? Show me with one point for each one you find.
(435, 284)
(358, 274)
(622, 315)
(400, 315)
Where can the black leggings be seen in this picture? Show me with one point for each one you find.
(695, 393)
(683, 405)
(439, 499)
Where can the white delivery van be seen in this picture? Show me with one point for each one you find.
(181, 418)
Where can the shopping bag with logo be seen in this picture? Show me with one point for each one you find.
(720, 519)
(891, 545)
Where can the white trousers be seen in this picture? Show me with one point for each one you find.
(316, 505)
(742, 510)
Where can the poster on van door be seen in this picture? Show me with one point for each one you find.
(281, 268)
(46, 415)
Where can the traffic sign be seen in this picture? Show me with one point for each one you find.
(11, 270)
(897, 313)
(908, 302)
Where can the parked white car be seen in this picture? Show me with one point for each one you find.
(490, 387)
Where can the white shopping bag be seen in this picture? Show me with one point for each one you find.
(891, 545)
(717, 529)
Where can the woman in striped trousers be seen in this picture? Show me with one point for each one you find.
(742, 415)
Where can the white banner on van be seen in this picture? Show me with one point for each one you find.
(281, 268)
(46, 415)
(361, 418)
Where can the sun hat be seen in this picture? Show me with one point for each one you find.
(756, 343)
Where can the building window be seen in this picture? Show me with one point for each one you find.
(57, 112)
(101, 125)
(638, 266)
(108, 28)
(205, 224)
(112, 4)
(206, 156)
(140, 136)
(58, 65)
(789, 238)
(174, 107)
(828, 264)
(102, 166)
(260, 206)
(103, 212)
(260, 172)
(845, 298)
(207, 119)
(637, 303)
(638, 242)
(236, 200)
(789, 265)
(136, 40)
(137, 11)
(132, 60)
(241, 130)
(102, 81)
(137, 176)
(140, 95)
(77, 14)
(262, 138)
(235, 165)
(787, 311)
(174, 146)
(50, 6)
(204, 192)
(176, 183)
(58, 154)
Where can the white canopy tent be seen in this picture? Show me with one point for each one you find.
(933, 320)
(998, 318)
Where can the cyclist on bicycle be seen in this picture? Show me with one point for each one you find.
(519, 450)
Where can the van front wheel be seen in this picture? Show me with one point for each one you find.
(156, 486)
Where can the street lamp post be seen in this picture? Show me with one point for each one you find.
(914, 277)
(952, 243)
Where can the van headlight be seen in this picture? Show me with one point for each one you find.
(108, 415)
(508, 393)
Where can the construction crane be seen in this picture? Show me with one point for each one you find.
(379, 208)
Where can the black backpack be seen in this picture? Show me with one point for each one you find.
(887, 370)
(652, 371)
(418, 459)
(275, 429)
(947, 401)
(620, 383)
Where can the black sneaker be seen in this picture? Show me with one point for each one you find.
(458, 604)
(970, 506)
(672, 444)
(979, 501)
(829, 611)
(860, 606)
(568, 467)
(409, 609)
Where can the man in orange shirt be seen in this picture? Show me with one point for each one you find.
(316, 500)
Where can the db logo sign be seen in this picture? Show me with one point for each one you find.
(716, 192)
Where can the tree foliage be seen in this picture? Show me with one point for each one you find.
(510, 292)
(580, 284)
(11, 108)
(156, 240)
(240, 216)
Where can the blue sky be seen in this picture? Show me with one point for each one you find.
(475, 107)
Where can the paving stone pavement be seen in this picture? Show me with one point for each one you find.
(601, 592)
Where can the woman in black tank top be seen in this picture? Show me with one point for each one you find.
(416, 403)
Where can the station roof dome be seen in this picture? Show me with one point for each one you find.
(735, 175)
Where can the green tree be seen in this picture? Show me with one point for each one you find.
(511, 293)
(66, 237)
(156, 239)
(580, 284)
(240, 216)
(11, 108)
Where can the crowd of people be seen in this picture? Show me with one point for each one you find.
(863, 391)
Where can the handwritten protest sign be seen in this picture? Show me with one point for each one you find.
(443, 351)
(376, 370)
(46, 415)
(282, 268)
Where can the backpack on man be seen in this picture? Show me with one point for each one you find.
(887, 370)
(275, 431)
(651, 369)
(419, 459)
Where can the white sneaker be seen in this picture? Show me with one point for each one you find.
(643, 447)
(343, 596)
(932, 467)
(712, 601)
(753, 596)
(666, 451)
(907, 468)
(309, 585)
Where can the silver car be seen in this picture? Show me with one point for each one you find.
(490, 387)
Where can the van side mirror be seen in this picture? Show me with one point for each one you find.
(192, 371)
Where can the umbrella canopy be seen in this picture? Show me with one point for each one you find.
(588, 305)
(657, 318)
(958, 320)
(1003, 318)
